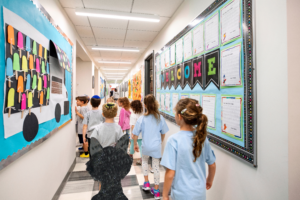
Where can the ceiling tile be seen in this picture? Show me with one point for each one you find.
(140, 35)
(116, 5)
(84, 31)
(156, 7)
(89, 41)
(138, 25)
(108, 23)
(77, 20)
(71, 3)
(136, 44)
(110, 43)
(109, 33)
(105, 55)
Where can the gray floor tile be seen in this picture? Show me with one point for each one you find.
(80, 175)
(78, 186)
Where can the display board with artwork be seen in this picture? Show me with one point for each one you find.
(212, 62)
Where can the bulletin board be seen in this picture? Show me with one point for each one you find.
(212, 61)
(102, 88)
(137, 86)
(36, 68)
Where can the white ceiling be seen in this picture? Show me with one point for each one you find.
(119, 33)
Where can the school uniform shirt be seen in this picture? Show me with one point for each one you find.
(83, 110)
(190, 177)
(151, 130)
(116, 95)
(92, 119)
(133, 119)
(107, 134)
(124, 119)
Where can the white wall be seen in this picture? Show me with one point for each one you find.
(84, 78)
(293, 16)
(38, 174)
(236, 180)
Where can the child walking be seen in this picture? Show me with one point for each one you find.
(90, 121)
(186, 153)
(137, 108)
(108, 133)
(124, 117)
(81, 101)
(153, 128)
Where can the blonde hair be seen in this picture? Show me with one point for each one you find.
(110, 110)
(191, 112)
(152, 106)
(110, 100)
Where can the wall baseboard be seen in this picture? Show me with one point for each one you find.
(63, 183)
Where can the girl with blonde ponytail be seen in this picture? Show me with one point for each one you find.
(186, 153)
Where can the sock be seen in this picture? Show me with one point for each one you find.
(86, 153)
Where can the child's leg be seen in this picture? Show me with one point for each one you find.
(155, 166)
(99, 186)
(139, 141)
(145, 167)
(131, 147)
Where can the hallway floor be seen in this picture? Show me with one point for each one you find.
(81, 186)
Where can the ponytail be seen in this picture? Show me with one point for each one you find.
(191, 112)
(200, 136)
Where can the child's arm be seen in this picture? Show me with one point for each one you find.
(210, 177)
(169, 176)
(162, 137)
(121, 118)
(77, 113)
(84, 133)
(132, 127)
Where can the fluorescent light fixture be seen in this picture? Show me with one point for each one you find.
(115, 73)
(116, 15)
(195, 21)
(114, 62)
(113, 69)
(114, 49)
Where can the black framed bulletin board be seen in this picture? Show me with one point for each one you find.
(212, 60)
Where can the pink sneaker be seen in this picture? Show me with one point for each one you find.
(156, 194)
(146, 186)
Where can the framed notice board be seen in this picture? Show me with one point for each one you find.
(212, 60)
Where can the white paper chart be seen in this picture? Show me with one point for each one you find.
(231, 115)
(167, 58)
(175, 98)
(212, 32)
(187, 46)
(195, 96)
(230, 66)
(168, 102)
(179, 51)
(162, 101)
(184, 96)
(172, 56)
(230, 21)
(198, 40)
(209, 109)
(162, 60)
(158, 64)
(158, 98)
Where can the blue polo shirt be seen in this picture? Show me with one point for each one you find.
(151, 130)
(190, 177)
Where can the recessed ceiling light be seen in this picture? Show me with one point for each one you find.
(119, 62)
(114, 49)
(116, 15)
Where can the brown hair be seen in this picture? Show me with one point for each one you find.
(191, 112)
(95, 102)
(83, 98)
(136, 106)
(109, 110)
(125, 103)
(152, 106)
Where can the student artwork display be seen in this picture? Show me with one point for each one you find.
(102, 94)
(137, 82)
(38, 80)
(211, 62)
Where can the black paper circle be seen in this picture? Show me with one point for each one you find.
(57, 112)
(30, 127)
